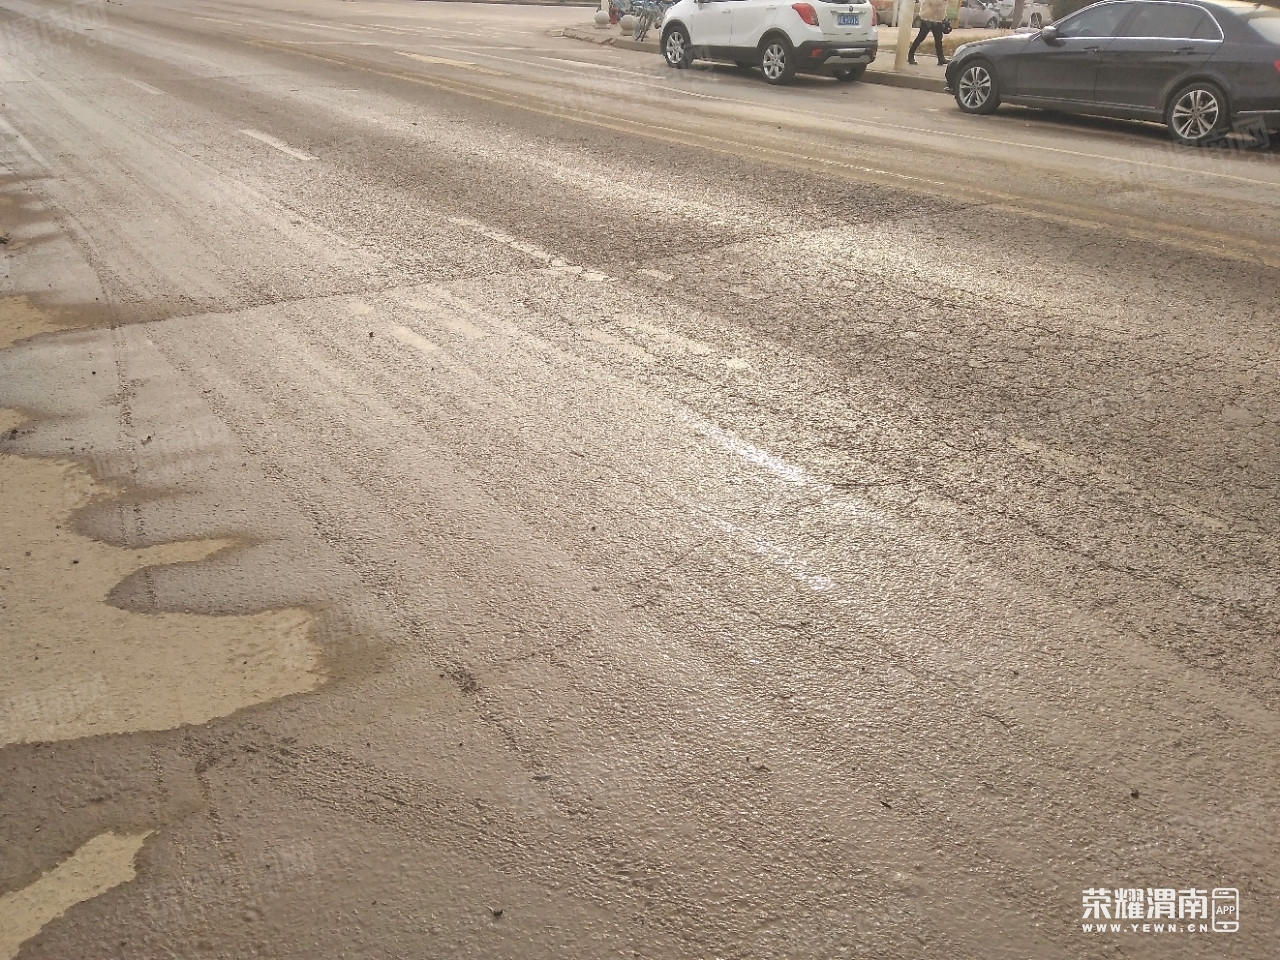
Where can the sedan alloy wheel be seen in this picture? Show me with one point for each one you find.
(1197, 114)
(976, 89)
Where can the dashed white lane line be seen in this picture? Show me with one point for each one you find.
(528, 249)
(144, 87)
(343, 27)
(625, 347)
(278, 144)
(786, 472)
(581, 63)
(411, 338)
(446, 62)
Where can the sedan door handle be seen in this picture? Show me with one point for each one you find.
(1185, 50)
(1091, 49)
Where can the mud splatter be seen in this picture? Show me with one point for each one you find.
(19, 320)
(104, 862)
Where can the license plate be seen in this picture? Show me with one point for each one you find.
(847, 19)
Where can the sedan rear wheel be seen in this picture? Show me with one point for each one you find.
(777, 59)
(1197, 114)
(977, 90)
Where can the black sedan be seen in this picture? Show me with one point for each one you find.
(1200, 66)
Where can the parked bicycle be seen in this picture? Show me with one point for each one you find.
(648, 14)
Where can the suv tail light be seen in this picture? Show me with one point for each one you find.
(1277, 65)
(807, 13)
(875, 21)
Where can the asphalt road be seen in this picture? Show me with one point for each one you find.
(734, 522)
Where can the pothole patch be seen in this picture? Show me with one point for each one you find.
(76, 666)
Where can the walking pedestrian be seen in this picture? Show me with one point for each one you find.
(933, 19)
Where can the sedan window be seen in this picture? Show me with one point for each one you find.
(1175, 21)
(1098, 21)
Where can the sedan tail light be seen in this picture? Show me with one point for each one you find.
(807, 13)
(1278, 66)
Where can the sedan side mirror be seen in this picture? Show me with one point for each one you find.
(1050, 36)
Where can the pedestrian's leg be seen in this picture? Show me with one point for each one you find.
(924, 32)
(937, 42)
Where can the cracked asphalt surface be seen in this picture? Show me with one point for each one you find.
(737, 522)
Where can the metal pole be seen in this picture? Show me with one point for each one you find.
(906, 10)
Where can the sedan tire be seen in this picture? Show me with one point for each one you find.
(777, 59)
(675, 47)
(1198, 114)
(977, 89)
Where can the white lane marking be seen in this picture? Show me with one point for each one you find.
(449, 321)
(670, 337)
(278, 144)
(625, 347)
(144, 87)
(528, 249)
(411, 338)
(581, 63)
(446, 62)
(346, 27)
(786, 472)
(333, 43)
(360, 27)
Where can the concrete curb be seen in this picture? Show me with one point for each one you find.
(909, 81)
(886, 78)
(610, 38)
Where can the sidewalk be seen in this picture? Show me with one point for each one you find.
(927, 76)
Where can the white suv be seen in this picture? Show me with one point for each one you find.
(779, 37)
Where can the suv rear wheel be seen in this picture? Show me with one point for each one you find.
(849, 74)
(777, 59)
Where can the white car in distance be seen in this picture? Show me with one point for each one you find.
(781, 38)
(1035, 14)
